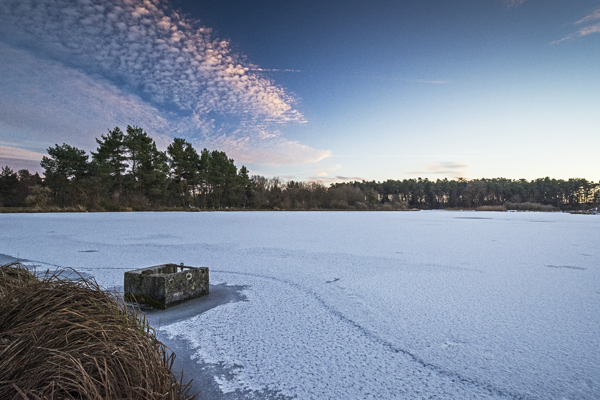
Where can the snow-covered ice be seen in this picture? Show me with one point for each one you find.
(358, 305)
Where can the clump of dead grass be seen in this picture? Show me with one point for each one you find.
(527, 206)
(64, 339)
(14, 275)
(491, 208)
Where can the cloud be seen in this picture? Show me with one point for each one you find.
(18, 159)
(273, 70)
(447, 168)
(48, 103)
(514, 3)
(170, 57)
(44, 103)
(336, 179)
(277, 151)
(350, 178)
(586, 30)
(105, 62)
(590, 17)
(12, 152)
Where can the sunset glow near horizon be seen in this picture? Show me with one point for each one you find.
(314, 90)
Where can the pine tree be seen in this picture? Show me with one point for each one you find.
(64, 173)
(184, 162)
(111, 160)
(148, 166)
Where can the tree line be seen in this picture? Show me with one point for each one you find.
(128, 172)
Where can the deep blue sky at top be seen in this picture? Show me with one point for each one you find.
(395, 89)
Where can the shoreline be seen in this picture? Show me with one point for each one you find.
(27, 210)
(584, 212)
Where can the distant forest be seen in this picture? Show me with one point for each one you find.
(128, 173)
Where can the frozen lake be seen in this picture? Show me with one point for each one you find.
(356, 305)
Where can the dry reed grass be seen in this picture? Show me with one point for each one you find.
(63, 339)
(491, 208)
(527, 206)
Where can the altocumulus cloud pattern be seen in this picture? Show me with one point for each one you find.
(171, 61)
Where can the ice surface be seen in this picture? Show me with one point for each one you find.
(360, 305)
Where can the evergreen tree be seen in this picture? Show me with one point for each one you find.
(8, 186)
(222, 178)
(138, 146)
(15, 187)
(184, 162)
(64, 173)
(111, 160)
(148, 166)
(247, 188)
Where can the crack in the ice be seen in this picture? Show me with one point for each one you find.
(437, 369)
(566, 267)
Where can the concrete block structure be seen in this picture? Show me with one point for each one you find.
(165, 285)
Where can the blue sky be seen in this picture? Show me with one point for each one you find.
(313, 90)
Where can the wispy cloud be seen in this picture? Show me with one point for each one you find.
(18, 159)
(273, 70)
(411, 156)
(48, 103)
(586, 30)
(164, 65)
(334, 179)
(513, 3)
(350, 178)
(12, 152)
(590, 17)
(447, 168)
(172, 58)
(277, 151)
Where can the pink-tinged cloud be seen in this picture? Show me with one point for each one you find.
(273, 70)
(586, 30)
(276, 151)
(590, 17)
(337, 179)
(446, 168)
(20, 154)
(190, 83)
(18, 159)
(51, 104)
(172, 58)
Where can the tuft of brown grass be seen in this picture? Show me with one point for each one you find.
(64, 339)
(13, 275)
